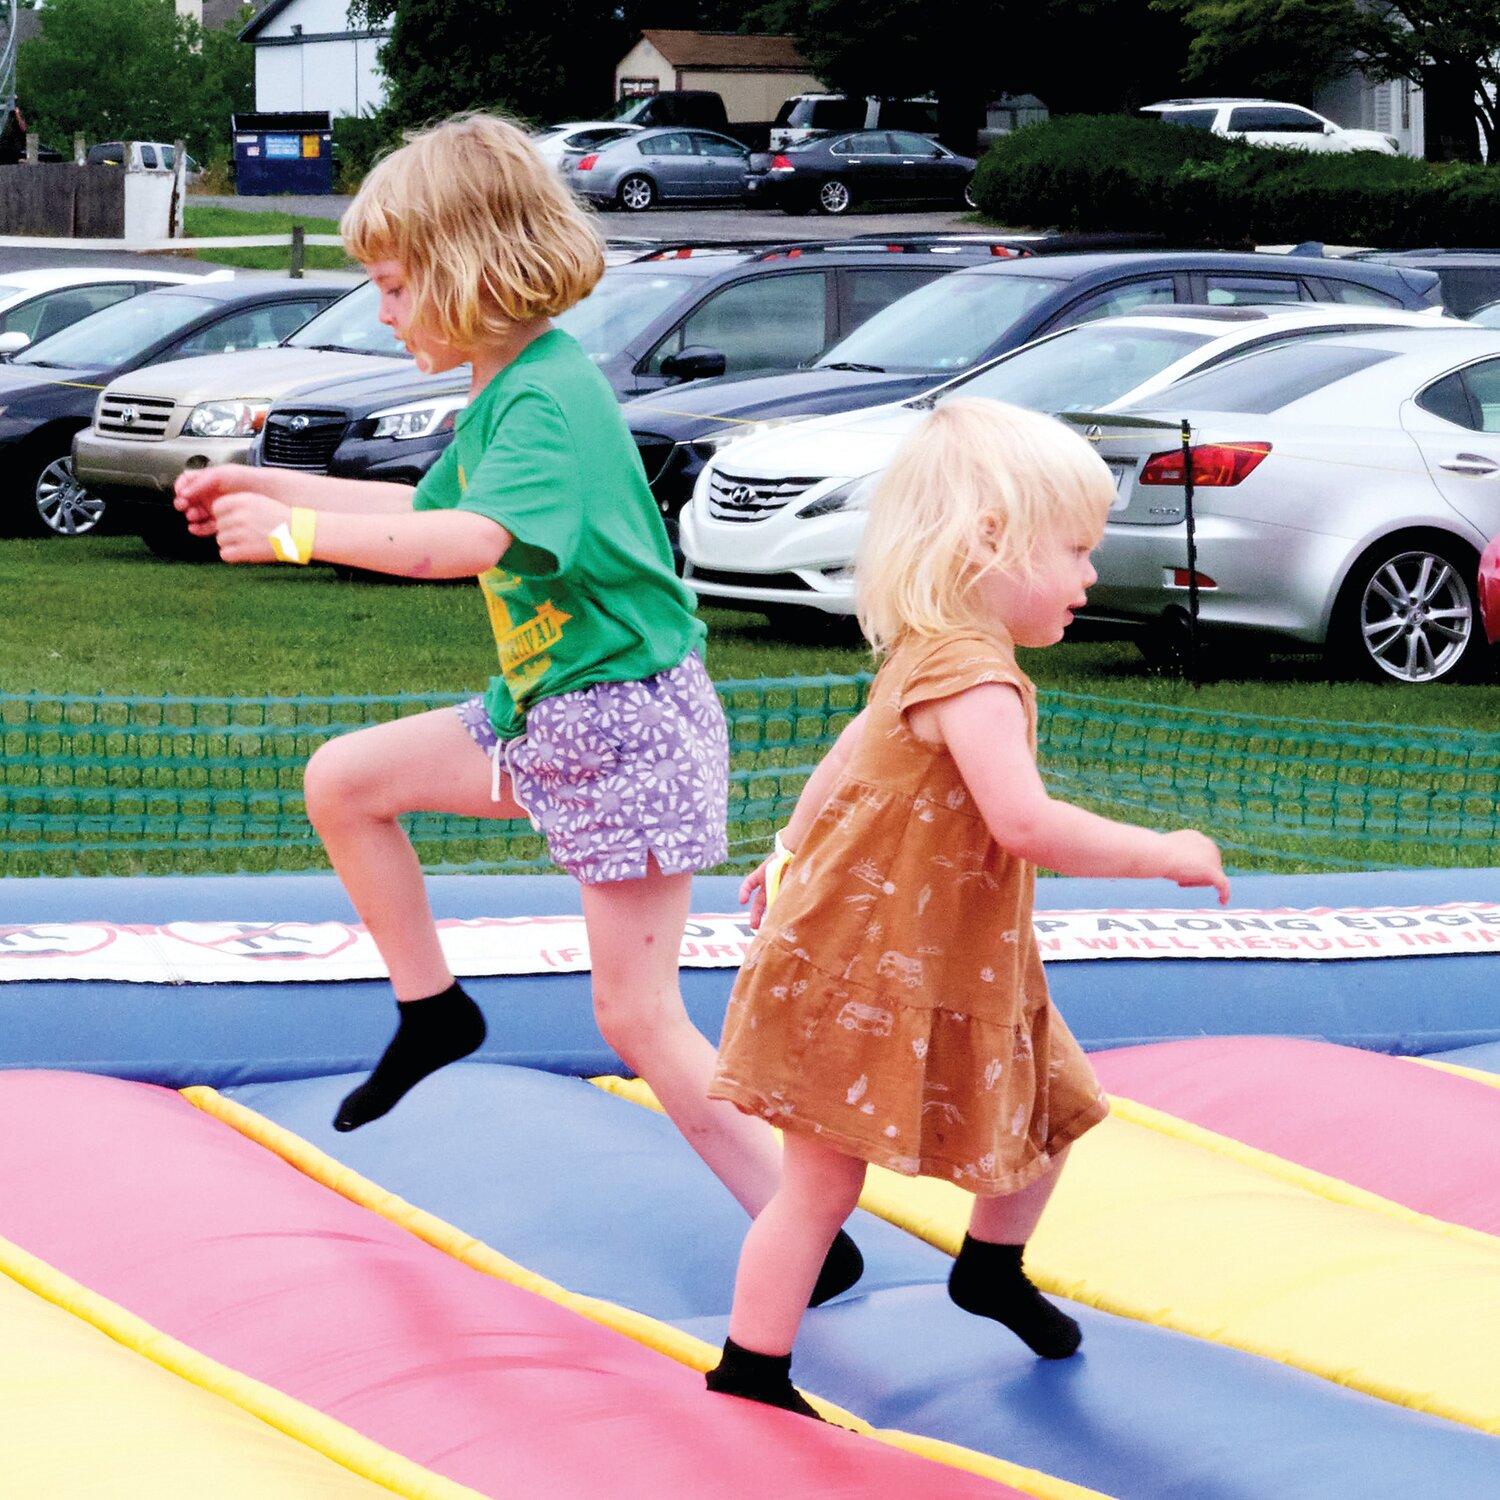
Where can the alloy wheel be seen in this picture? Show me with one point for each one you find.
(636, 194)
(65, 506)
(1416, 616)
(834, 198)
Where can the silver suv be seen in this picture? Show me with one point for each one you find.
(1268, 122)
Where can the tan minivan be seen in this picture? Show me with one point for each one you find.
(155, 422)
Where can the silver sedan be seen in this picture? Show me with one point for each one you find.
(665, 165)
(1344, 488)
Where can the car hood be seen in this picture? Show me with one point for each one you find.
(370, 389)
(686, 413)
(266, 373)
(841, 445)
(20, 381)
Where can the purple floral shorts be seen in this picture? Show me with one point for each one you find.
(615, 772)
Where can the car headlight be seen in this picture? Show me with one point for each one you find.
(419, 419)
(706, 447)
(226, 419)
(852, 496)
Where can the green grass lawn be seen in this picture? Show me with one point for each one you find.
(101, 615)
(206, 220)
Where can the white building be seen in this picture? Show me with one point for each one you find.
(1391, 106)
(309, 57)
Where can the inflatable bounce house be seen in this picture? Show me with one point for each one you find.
(1283, 1245)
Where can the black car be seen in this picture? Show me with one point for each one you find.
(647, 325)
(866, 166)
(48, 390)
(974, 315)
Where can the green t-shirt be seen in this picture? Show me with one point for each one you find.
(586, 591)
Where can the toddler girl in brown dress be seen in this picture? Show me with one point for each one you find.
(893, 1007)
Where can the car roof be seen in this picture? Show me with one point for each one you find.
(1223, 99)
(1461, 340)
(1250, 319)
(44, 278)
(1070, 265)
(247, 288)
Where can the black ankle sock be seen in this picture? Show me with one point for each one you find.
(842, 1267)
(431, 1032)
(988, 1280)
(766, 1378)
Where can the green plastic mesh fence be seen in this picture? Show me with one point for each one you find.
(116, 786)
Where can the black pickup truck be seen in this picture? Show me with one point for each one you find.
(693, 107)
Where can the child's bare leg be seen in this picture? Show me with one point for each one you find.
(987, 1277)
(356, 787)
(635, 938)
(783, 1254)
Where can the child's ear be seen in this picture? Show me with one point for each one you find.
(987, 534)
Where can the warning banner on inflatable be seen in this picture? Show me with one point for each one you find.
(311, 952)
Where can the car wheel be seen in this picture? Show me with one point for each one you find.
(63, 506)
(166, 536)
(969, 200)
(834, 197)
(636, 193)
(1409, 612)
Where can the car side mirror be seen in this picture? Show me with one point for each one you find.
(13, 343)
(1329, 130)
(696, 362)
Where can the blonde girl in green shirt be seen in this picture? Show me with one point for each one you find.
(601, 725)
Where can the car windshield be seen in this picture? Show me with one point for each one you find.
(1268, 379)
(117, 333)
(618, 309)
(352, 324)
(7, 292)
(945, 325)
(1082, 369)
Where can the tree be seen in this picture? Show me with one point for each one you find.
(1451, 50)
(132, 70)
(1086, 56)
(1284, 49)
(539, 62)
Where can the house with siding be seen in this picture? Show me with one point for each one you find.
(309, 56)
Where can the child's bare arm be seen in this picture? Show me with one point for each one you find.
(809, 803)
(197, 489)
(409, 544)
(985, 732)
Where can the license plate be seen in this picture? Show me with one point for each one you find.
(1121, 474)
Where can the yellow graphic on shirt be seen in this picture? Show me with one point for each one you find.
(523, 647)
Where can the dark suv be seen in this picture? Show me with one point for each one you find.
(678, 314)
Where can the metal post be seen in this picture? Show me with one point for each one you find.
(298, 250)
(1192, 550)
(80, 150)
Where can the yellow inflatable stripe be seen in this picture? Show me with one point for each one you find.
(85, 1419)
(1165, 1222)
(342, 1446)
(1475, 1075)
(662, 1337)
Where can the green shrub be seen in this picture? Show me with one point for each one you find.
(358, 140)
(1125, 173)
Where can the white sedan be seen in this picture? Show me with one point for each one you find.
(578, 137)
(34, 304)
(776, 517)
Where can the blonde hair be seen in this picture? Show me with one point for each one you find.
(485, 231)
(976, 477)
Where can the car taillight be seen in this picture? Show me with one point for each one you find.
(780, 164)
(1215, 465)
(586, 163)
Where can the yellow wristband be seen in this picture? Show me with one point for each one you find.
(292, 541)
(776, 870)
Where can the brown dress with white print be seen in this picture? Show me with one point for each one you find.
(893, 1002)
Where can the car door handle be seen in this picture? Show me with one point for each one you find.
(1474, 464)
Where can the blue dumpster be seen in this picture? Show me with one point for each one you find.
(284, 152)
